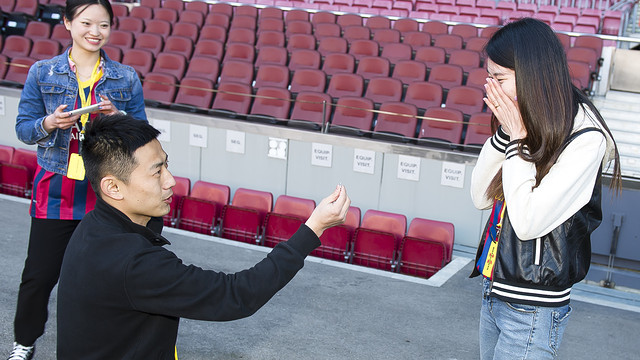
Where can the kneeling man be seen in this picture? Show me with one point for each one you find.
(121, 293)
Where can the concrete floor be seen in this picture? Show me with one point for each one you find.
(339, 311)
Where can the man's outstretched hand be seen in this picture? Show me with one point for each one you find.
(331, 211)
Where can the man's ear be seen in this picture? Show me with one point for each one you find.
(110, 187)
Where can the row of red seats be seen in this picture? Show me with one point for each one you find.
(380, 241)
(580, 19)
(17, 168)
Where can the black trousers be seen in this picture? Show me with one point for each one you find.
(47, 243)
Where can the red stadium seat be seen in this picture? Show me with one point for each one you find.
(386, 36)
(142, 12)
(344, 84)
(338, 63)
(159, 88)
(304, 59)
(301, 41)
(298, 27)
(18, 70)
(239, 52)
(181, 189)
(296, 14)
(396, 122)
(160, 27)
(272, 75)
(416, 39)
(192, 16)
(444, 131)
(166, 14)
(16, 46)
(271, 105)
(128, 23)
(378, 22)
(199, 6)
(241, 35)
(186, 29)
(311, 110)
(467, 59)
(424, 94)
(271, 55)
(217, 193)
(209, 48)
(477, 78)
(171, 63)
(237, 71)
(38, 30)
(213, 32)
(323, 17)
(478, 131)
(232, 99)
(352, 33)
(203, 67)
(435, 28)
(377, 239)
(409, 71)
(353, 116)
(270, 24)
(305, 80)
(363, 48)
(270, 38)
(332, 44)
(194, 94)
(383, 90)
(426, 248)
(405, 25)
(243, 219)
(149, 42)
(17, 176)
(177, 45)
(336, 241)
(431, 55)
(6, 154)
(446, 75)
(323, 30)
(349, 20)
(217, 19)
(370, 67)
(467, 99)
(197, 215)
(288, 214)
(395, 52)
(44, 49)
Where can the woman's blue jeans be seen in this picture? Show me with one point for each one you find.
(517, 332)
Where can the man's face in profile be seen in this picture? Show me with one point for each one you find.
(148, 192)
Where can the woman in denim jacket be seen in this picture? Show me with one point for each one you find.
(83, 75)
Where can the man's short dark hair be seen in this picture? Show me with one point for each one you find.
(109, 144)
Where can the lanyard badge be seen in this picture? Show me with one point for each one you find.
(76, 170)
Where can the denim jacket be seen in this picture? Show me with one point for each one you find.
(51, 83)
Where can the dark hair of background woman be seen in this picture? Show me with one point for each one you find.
(75, 7)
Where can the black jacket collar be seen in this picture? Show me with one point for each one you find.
(151, 232)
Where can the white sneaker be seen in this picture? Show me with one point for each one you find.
(21, 352)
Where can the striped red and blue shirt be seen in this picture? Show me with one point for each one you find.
(55, 196)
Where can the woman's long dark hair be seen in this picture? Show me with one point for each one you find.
(547, 99)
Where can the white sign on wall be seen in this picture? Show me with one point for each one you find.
(164, 127)
(235, 141)
(2, 105)
(452, 174)
(364, 161)
(409, 168)
(198, 135)
(321, 154)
